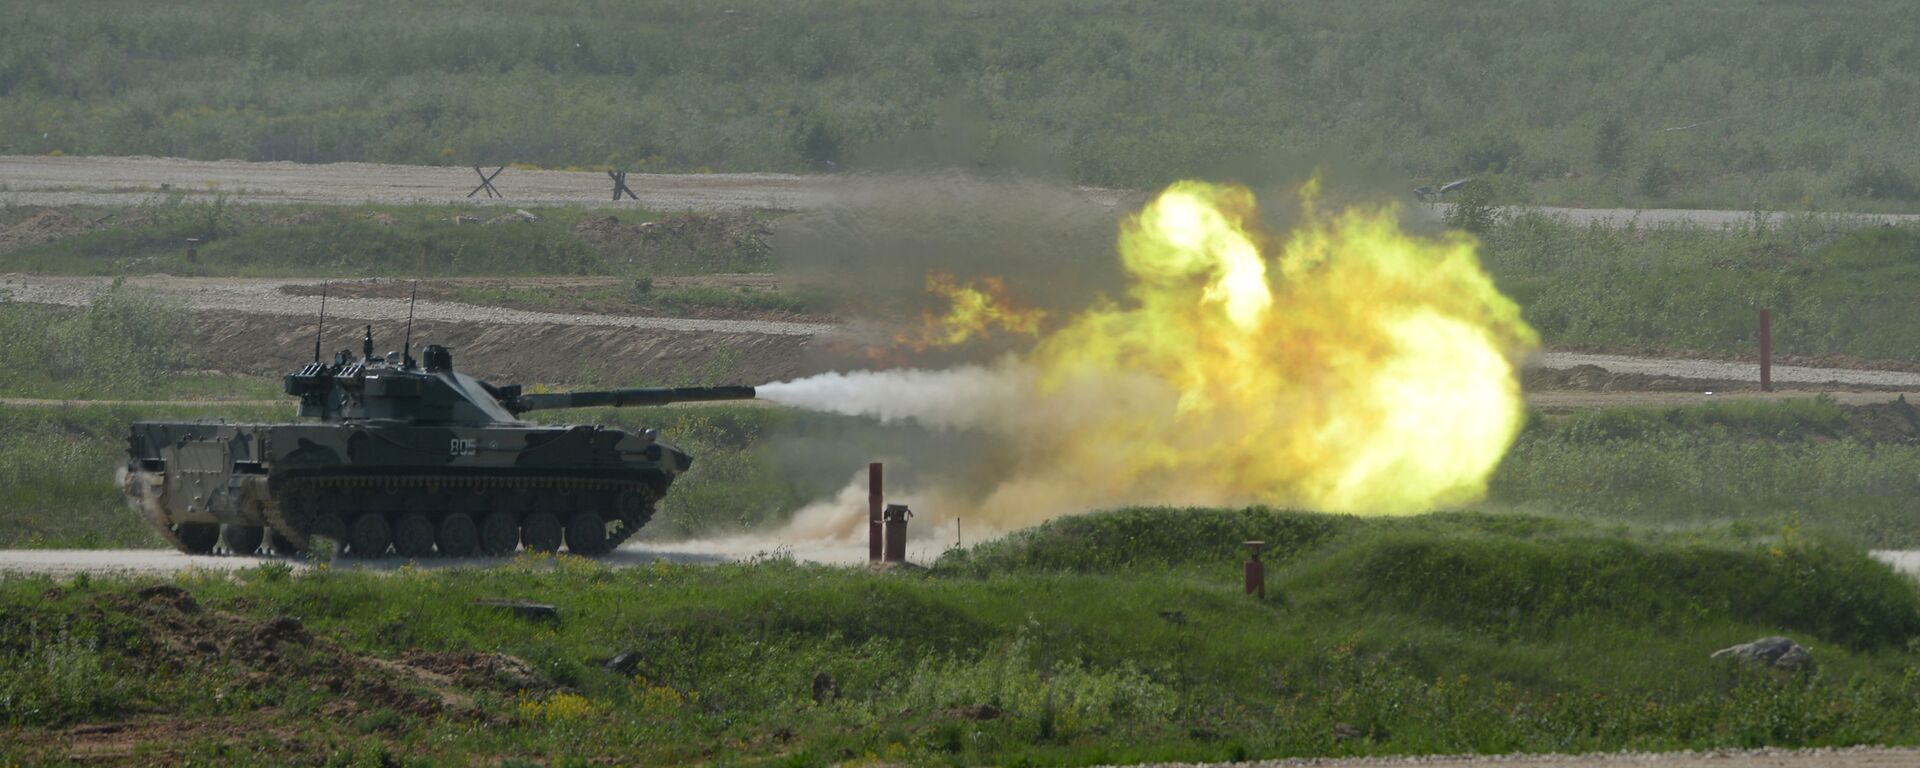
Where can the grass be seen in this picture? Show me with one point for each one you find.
(1743, 103)
(1802, 469)
(1836, 289)
(380, 241)
(1451, 633)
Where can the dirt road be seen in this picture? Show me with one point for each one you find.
(246, 300)
(264, 297)
(1860, 757)
(110, 181)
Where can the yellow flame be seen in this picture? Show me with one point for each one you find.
(972, 312)
(1353, 368)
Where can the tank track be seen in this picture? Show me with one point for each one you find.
(624, 505)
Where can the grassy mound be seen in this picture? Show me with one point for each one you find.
(1448, 633)
(1501, 574)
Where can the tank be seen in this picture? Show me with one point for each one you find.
(409, 458)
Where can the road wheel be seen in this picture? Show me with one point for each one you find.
(242, 539)
(499, 534)
(587, 534)
(460, 538)
(281, 544)
(197, 538)
(541, 532)
(329, 526)
(413, 535)
(371, 536)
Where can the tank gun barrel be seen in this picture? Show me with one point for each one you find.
(616, 398)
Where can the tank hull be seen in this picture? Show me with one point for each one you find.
(424, 489)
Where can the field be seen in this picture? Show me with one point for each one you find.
(970, 168)
(1118, 637)
(1732, 105)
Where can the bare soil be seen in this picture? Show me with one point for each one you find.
(590, 295)
(555, 354)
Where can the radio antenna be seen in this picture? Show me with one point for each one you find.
(323, 322)
(406, 347)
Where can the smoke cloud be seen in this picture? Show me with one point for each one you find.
(1341, 365)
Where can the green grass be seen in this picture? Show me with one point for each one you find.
(1729, 105)
(1453, 633)
(1836, 289)
(379, 241)
(1804, 469)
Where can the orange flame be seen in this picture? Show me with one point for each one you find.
(972, 312)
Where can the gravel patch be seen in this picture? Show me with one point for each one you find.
(1852, 757)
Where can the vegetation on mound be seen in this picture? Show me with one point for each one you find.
(1459, 633)
(374, 241)
(1779, 104)
(125, 345)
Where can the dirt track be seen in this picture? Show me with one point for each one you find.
(264, 297)
(1863, 757)
(239, 320)
(109, 181)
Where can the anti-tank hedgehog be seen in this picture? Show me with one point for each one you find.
(409, 458)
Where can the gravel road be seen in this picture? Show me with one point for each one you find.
(263, 297)
(1728, 371)
(1859, 757)
(109, 181)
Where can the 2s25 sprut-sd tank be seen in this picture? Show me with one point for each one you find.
(409, 458)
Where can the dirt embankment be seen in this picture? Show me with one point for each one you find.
(546, 353)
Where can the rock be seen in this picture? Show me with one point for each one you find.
(466, 219)
(524, 609)
(624, 662)
(978, 712)
(825, 688)
(1776, 652)
(1348, 732)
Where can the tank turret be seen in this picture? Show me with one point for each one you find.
(412, 457)
(432, 392)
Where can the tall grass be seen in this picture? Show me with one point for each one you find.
(1835, 288)
(125, 342)
(1768, 103)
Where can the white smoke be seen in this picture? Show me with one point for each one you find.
(967, 397)
(1027, 417)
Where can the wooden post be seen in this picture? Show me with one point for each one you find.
(874, 498)
(1766, 350)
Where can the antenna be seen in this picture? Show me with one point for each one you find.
(406, 347)
(323, 322)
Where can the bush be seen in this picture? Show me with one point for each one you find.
(121, 344)
(1611, 142)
